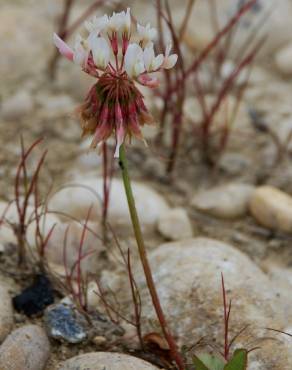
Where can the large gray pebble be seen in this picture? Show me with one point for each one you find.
(88, 192)
(26, 348)
(6, 313)
(106, 360)
(188, 278)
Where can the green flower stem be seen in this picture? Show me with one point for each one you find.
(144, 260)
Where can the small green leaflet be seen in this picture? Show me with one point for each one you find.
(238, 361)
(199, 364)
(208, 362)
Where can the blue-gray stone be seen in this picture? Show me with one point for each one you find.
(65, 323)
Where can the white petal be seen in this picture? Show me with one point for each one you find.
(170, 61)
(63, 48)
(148, 56)
(134, 60)
(139, 68)
(127, 25)
(157, 62)
(100, 51)
(80, 51)
(168, 49)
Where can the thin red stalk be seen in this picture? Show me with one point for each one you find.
(81, 244)
(105, 184)
(24, 156)
(186, 19)
(177, 116)
(33, 183)
(221, 95)
(236, 336)
(226, 319)
(225, 30)
(65, 18)
(45, 242)
(65, 263)
(20, 229)
(136, 303)
(205, 53)
(4, 212)
(136, 298)
(76, 220)
(108, 307)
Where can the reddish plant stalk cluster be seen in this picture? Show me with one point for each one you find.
(76, 280)
(176, 83)
(111, 306)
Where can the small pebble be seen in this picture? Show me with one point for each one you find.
(175, 224)
(66, 324)
(227, 201)
(272, 208)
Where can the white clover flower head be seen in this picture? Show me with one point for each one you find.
(146, 34)
(114, 104)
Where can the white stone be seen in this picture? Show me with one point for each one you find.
(11, 213)
(226, 201)
(283, 60)
(56, 105)
(77, 200)
(92, 245)
(26, 348)
(17, 105)
(272, 208)
(20, 61)
(223, 117)
(277, 26)
(188, 278)
(106, 360)
(46, 224)
(175, 224)
(228, 67)
(6, 313)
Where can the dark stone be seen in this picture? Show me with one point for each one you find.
(34, 299)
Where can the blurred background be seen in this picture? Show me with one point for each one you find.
(39, 91)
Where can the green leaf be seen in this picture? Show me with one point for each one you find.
(238, 361)
(208, 362)
(199, 364)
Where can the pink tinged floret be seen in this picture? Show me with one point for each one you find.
(146, 80)
(103, 129)
(63, 48)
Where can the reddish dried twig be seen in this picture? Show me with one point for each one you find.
(25, 190)
(227, 310)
